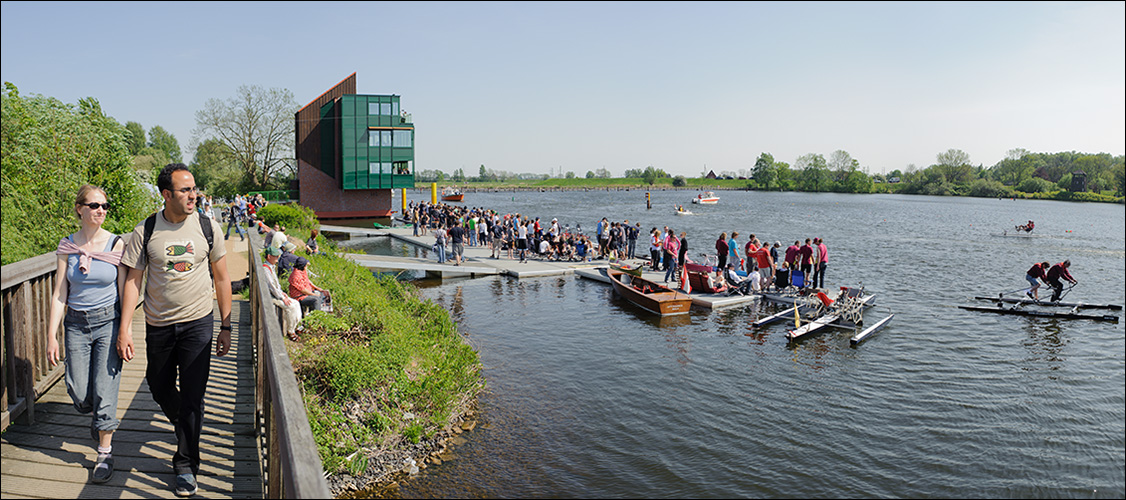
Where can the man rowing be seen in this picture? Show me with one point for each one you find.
(1054, 274)
(1026, 227)
(1034, 275)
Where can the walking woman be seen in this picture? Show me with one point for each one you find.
(88, 283)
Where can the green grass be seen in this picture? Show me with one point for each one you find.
(383, 368)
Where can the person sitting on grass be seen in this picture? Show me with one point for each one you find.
(291, 309)
(311, 296)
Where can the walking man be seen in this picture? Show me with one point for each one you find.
(177, 256)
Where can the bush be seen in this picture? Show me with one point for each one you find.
(382, 353)
(1036, 185)
(988, 189)
(292, 216)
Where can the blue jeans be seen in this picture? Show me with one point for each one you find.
(233, 222)
(93, 368)
(441, 253)
(671, 273)
(181, 350)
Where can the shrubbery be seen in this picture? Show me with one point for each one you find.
(292, 216)
(383, 367)
(49, 150)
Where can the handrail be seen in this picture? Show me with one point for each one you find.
(27, 288)
(292, 465)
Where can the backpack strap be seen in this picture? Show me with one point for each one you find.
(150, 226)
(205, 225)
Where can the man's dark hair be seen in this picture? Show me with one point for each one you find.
(164, 180)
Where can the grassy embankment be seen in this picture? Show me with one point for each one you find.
(384, 370)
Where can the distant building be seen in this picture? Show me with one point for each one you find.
(1078, 182)
(711, 174)
(352, 150)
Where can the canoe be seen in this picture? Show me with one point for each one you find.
(453, 197)
(626, 268)
(650, 296)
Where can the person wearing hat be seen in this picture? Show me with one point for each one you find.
(309, 295)
(291, 309)
(287, 259)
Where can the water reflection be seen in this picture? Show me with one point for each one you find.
(1045, 344)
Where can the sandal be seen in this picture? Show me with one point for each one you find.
(293, 337)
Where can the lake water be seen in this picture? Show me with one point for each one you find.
(589, 396)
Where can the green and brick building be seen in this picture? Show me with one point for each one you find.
(352, 150)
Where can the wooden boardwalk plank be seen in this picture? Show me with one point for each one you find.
(52, 459)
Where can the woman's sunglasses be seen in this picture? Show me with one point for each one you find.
(94, 205)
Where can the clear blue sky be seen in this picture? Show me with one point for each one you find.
(530, 87)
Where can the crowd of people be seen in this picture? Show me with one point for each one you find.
(755, 265)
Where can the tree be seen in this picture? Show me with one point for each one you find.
(602, 173)
(954, 164)
(257, 125)
(163, 140)
(135, 140)
(216, 169)
(813, 172)
(484, 174)
(679, 181)
(570, 175)
(764, 171)
(841, 163)
(589, 174)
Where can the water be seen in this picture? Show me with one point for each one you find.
(589, 396)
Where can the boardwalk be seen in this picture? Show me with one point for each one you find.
(52, 459)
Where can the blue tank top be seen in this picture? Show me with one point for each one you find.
(93, 290)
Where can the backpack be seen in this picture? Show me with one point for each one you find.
(204, 224)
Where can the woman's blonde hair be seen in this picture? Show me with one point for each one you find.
(84, 196)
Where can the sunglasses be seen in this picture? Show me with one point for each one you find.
(94, 205)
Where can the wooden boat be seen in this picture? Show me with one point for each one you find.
(650, 296)
(706, 198)
(626, 268)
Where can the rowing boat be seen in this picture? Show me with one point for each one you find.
(648, 295)
(1073, 305)
(1042, 314)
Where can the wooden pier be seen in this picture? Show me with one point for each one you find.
(53, 457)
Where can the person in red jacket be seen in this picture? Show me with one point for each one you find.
(1037, 273)
(1054, 274)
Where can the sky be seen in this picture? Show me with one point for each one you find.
(574, 86)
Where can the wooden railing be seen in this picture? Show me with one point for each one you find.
(292, 465)
(27, 287)
(290, 460)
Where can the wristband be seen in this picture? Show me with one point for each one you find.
(227, 328)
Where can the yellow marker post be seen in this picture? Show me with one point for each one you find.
(403, 195)
(433, 193)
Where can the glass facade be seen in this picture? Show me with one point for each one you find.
(376, 143)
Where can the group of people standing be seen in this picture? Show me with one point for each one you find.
(513, 235)
(767, 264)
(98, 283)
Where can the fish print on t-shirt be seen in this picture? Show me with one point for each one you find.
(176, 250)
